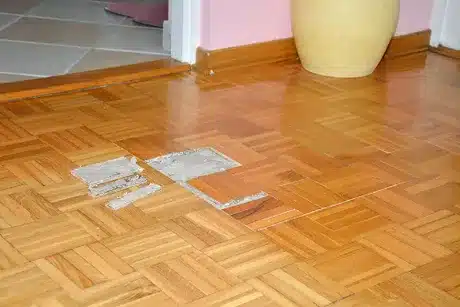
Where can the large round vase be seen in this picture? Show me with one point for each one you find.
(343, 38)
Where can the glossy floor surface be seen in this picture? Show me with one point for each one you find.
(43, 38)
(363, 178)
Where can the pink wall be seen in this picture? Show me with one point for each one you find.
(415, 16)
(228, 23)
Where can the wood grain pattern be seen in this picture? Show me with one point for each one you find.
(409, 43)
(284, 49)
(215, 60)
(362, 177)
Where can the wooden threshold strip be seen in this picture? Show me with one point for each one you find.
(89, 79)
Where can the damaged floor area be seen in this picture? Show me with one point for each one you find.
(266, 186)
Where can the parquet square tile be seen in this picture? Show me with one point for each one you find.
(422, 160)
(317, 136)
(55, 121)
(449, 142)
(24, 108)
(240, 295)
(396, 205)
(404, 290)
(383, 138)
(224, 187)
(351, 219)
(10, 132)
(268, 173)
(361, 178)
(340, 266)
(296, 201)
(149, 146)
(65, 102)
(83, 267)
(103, 222)
(270, 144)
(172, 201)
(404, 247)
(147, 246)
(442, 227)
(437, 193)
(23, 150)
(306, 237)
(236, 127)
(140, 292)
(26, 285)
(314, 193)
(190, 277)
(116, 92)
(120, 129)
(24, 207)
(249, 256)
(9, 183)
(299, 285)
(69, 196)
(263, 213)
(208, 138)
(46, 237)
(443, 273)
(207, 228)
(97, 154)
(101, 113)
(72, 141)
(309, 162)
(10, 256)
(42, 171)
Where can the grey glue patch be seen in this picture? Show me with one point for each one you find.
(131, 197)
(190, 164)
(116, 185)
(104, 172)
(243, 200)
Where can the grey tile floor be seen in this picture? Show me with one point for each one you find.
(42, 38)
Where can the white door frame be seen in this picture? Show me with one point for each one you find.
(185, 18)
(438, 21)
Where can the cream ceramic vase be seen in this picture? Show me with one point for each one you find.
(343, 38)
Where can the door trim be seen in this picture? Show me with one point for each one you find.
(185, 17)
(438, 21)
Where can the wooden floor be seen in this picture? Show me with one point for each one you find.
(363, 178)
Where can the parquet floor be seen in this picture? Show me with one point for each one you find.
(363, 178)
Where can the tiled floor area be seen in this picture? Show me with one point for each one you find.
(362, 177)
(40, 38)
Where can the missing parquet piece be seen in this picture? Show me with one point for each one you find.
(130, 198)
(110, 176)
(193, 163)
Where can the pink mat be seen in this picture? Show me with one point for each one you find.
(148, 14)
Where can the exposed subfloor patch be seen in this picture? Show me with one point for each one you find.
(100, 173)
(122, 173)
(117, 185)
(191, 164)
(111, 176)
(134, 196)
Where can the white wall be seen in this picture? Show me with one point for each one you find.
(451, 30)
(445, 24)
